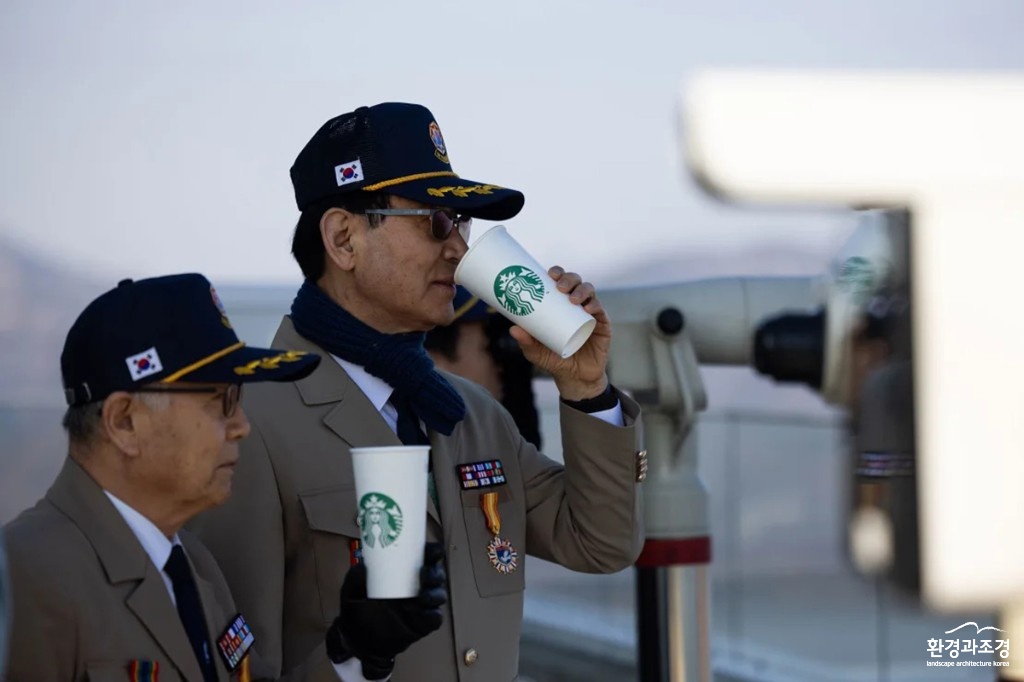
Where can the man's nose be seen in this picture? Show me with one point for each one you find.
(455, 247)
(238, 426)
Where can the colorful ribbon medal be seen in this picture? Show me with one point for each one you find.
(502, 554)
(143, 671)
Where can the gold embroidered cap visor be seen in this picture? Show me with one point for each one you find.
(465, 197)
(240, 364)
(397, 148)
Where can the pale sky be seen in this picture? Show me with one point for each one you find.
(142, 138)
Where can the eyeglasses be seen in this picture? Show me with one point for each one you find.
(229, 401)
(442, 220)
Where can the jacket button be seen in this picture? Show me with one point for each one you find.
(641, 466)
(470, 656)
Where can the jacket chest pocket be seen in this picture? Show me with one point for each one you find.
(331, 515)
(497, 561)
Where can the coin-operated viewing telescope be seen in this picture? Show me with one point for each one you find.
(789, 328)
(662, 335)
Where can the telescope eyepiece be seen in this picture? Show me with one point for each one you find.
(791, 348)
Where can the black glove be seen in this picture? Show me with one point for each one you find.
(377, 630)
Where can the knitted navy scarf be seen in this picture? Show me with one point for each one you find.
(398, 359)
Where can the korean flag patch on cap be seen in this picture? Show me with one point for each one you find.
(348, 172)
(144, 364)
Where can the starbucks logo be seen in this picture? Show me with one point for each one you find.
(518, 289)
(857, 277)
(380, 520)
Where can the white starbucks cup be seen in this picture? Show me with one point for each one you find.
(391, 499)
(499, 271)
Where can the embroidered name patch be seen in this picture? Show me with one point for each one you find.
(235, 643)
(485, 474)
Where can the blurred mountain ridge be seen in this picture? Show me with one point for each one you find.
(38, 303)
(39, 300)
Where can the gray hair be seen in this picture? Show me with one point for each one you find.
(82, 422)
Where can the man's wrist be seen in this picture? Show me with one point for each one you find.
(576, 391)
(605, 400)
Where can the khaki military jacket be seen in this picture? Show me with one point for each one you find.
(283, 539)
(87, 600)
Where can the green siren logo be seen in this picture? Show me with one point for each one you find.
(380, 520)
(519, 289)
(857, 277)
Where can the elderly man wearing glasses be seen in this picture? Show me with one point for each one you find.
(384, 222)
(105, 585)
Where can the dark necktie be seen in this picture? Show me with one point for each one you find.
(410, 433)
(408, 429)
(190, 610)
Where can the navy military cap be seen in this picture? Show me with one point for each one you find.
(469, 308)
(167, 330)
(398, 148)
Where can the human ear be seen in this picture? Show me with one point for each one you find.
(119, 422)
(337, 229)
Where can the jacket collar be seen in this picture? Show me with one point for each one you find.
(353, 418)
(81, 498)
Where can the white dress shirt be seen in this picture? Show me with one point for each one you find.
(376, 390)
(152, 539)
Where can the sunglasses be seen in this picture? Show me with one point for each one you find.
(229, 401)
(443, 221)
